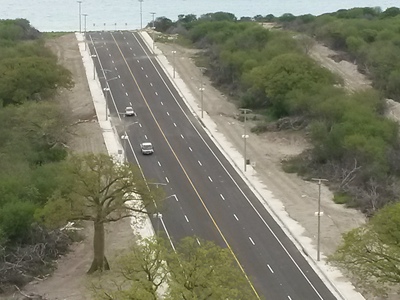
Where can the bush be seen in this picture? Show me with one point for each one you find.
(341, 198)
(16, 219)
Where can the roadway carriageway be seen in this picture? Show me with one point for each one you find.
(205, 195)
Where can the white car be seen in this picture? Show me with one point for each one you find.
(129, 111)
(147, 148)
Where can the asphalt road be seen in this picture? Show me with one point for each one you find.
(205, 195)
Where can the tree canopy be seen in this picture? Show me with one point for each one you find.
(102, 190)
(372, 253)
(197, 269)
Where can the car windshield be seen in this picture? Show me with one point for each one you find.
(147, 146)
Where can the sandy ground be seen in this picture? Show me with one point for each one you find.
(265, 151)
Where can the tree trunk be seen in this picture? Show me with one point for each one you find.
(100, 262)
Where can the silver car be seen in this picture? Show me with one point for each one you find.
(147, 148)
(129, 111)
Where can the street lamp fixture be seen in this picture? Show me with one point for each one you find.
(173, 61)
(106, 91)
(245, 136)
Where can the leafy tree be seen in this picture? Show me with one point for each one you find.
(138, 274)
(16, 219)
(371, 253)
(31, 78)
(162, 24)
(198, 269)
(102, 191)
(205, 271)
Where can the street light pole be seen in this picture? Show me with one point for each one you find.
(173, 61)
(94, 66)
(141, 23)
(106, 90)
(80, 16)
(84, 27)
(154, 28)
(84, 22)
(319, 213)
(201, 99)
(125, 138)
(245, 136)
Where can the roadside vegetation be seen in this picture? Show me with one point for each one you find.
(355, 146)
(32, 145)
(196, 269)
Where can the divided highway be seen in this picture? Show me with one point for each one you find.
(205, 195)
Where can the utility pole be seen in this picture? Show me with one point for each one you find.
(318, 214)
(245, 135)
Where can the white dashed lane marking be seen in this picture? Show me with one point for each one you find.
(187, 220)
(222, 197)
(190, 149)
(199, 163)
(237, 219)
(166, 179)
(209, 178)
(269, 267)
(159, 163)
(251, 240)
